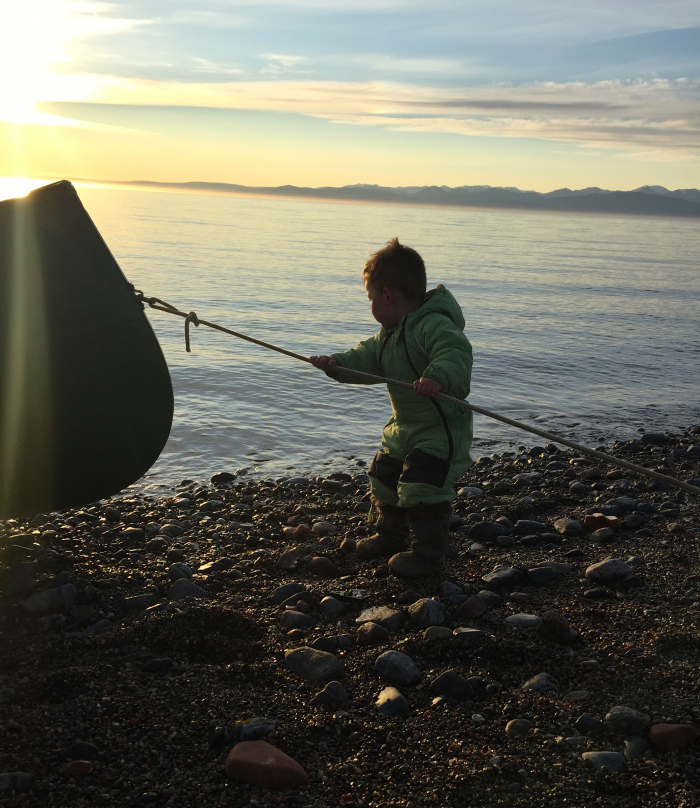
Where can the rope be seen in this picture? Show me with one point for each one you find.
(160, 305)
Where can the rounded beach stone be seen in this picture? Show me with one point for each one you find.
(437, 634)
(523, 620)
(332, 695)
(313, 664)
(323, 529)
(392, 702)
(451, 685)
(179, 570)
(518, 727)
(608, 571)
(323, 567)
(555, 628)
(184, 588)
(611, 761)
(286, 591)
(258, 763)
(76, 768)
(397, 668)
(427, 612)
(671, 737)
(291, 620)
(626, 721)
(568, 527)
(472, 608)
(330, 607)
(372, 634)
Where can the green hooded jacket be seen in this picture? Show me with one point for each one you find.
(427, 342)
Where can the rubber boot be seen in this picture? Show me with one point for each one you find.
(431, 528)
(391, 536)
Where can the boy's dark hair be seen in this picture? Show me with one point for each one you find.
(397, 267)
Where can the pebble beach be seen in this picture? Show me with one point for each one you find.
(195, 648)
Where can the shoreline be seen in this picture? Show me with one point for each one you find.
(124, 684)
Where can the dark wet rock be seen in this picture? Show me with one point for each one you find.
(468, 636)
(437, 634)
(541, 575)
(291, 619)
(330, 607)
(502, 576)
(503, 487)
(332, 644)
(372, 634)
(523, 620)
(222, 477)
(50, 599)
(525, 526)
(184, 588)
(293, 601)
(610, 761)
(486, 532)
(323, 567)
(397, 668)
(391, 619)
(625, 504)
(313, 664)
(332, 695)
(427, 612)
(492, 598)
(21, 782)
(635, 748)
(588, 725)
(542, 683)
(472, 608)
(555, 628)
(179, 570)
(20, 587)
(451, 685)
(139, 602)
(286, 591)
(80, 750)
(626, 721)
(392, 702)
(156, 545)
(598, 593)
(157, 665)
(654, 439)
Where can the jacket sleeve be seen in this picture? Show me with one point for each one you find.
(449, 354)
(362, 357)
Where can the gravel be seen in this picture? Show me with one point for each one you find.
(150, 682)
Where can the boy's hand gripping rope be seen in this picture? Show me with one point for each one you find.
(161, 305)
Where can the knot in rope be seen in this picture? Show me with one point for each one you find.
(191, 318)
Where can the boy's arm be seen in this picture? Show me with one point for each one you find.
(362, 357)
(449, 354)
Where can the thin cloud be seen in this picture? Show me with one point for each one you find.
(659, 114)
(279, 63)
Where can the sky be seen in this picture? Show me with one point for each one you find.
(537, 94)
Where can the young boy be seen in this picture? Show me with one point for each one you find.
(425, 444)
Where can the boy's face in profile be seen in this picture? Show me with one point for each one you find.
(382, 303)
(388, 305)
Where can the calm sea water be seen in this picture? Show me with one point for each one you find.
(588, 326)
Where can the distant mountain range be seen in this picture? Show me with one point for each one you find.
(649, 200)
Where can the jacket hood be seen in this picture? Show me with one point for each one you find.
(440, 301)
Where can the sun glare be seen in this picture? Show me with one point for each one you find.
(34, 62)
(11, 187)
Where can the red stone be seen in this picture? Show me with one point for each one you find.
(595, 521)
(323, 567)
(261, 764)
(298, 533)
(77, 768)
(670, 737)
